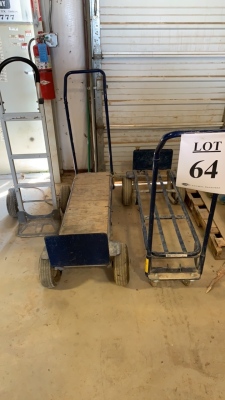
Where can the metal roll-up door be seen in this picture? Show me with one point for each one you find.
(165, 69)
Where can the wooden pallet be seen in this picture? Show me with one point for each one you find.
(199, 208)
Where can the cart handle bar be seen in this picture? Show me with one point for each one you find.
(88, 71)
(32, 65)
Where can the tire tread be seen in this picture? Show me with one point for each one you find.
(126, 191)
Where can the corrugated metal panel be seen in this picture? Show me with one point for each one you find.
(165, 69)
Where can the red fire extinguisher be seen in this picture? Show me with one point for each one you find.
(45, 69)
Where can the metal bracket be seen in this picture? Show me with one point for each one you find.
(51, 39)
(114, 248)
(97, 55)
(130, 174)
(99, 84)
(44, 254)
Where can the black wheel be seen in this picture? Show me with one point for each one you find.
(186, 282)
(126, 191)
(64, 197)
(121, 266)
(48, 276)
(154, 283)
(11, 203)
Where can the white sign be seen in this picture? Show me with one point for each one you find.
(201, 164)
(10, 11)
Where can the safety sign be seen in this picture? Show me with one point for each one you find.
(10, 11)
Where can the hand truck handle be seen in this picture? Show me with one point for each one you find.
(89, 71)
(23, 59)
(33, 66)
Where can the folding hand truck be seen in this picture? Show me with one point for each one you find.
(84, 238)
(165, 262)
(29, 225)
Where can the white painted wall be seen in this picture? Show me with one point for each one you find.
(67, 21)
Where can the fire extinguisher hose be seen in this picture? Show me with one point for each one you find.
(29, 46)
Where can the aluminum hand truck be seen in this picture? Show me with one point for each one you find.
(170, 258)
(29, 225)
(84, 238)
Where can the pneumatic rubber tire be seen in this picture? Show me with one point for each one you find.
(126, 191)
(11, 203)
(48, 276)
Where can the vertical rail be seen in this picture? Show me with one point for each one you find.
(160, 229)
(69, 125)
(88, 71)
(207, 232)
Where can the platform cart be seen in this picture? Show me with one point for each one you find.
(84, 238)
(29, 224)
(177, 253)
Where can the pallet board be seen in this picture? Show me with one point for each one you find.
(199, 210)
(88, 207)
(199, 205)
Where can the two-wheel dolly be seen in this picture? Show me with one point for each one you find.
(84, 238)
(170, 238)
(29, 224)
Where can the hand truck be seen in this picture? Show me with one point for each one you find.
(29, 224)
(170, 258)
(84, 238)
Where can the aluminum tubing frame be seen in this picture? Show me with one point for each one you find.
(22, 213)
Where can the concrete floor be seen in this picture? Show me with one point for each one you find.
(91, 340)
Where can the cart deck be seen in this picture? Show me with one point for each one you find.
(88, 207)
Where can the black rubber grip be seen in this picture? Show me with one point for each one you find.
(22, 59)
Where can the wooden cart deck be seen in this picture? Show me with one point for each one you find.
(88, 207)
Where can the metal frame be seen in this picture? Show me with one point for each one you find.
(71, 249)
(88, 71)
(25, 218)
(96, 64)
(199, 252)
